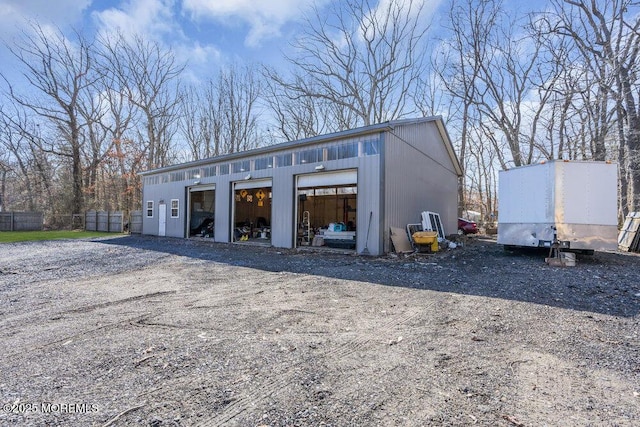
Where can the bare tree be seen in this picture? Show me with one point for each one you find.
(494, 77)
(505, 81)
(16, 154)
(149, 76)
(120, 159)
(5, 160)
(222, 117)
(481, 173)
(458, 66)
(607, 35)
(213, 119)
(59, 71)
(296, 117)
(196, 123)
(31, 169)
(4, 170)
(93, 107)
(580, 94)
(364, 60)
(239, 90)
(124, 158)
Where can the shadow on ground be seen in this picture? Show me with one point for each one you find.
(607, 283)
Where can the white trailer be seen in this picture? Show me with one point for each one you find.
(578, 200)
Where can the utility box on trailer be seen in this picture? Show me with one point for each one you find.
(577, 201)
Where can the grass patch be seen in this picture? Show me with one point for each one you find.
(30, 236)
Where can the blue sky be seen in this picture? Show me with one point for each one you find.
(206, 33)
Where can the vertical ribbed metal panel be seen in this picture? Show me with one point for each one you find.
(222, 214)
(419, 176)
(283, 221)
(282, 208)
(147, 223)
(165, 192)
(369, 206)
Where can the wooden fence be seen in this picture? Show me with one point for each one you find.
(113, 221)
(109, 221)
(21, 221)
(135, 222)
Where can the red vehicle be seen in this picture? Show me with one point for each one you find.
(467, 227)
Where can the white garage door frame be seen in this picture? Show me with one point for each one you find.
(322, 179)
(195, 189)
(246, 185)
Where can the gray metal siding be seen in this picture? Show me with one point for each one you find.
(222, 214)
(164, 192)
(419, 176)
(369, 181)
(282, 215)
(413, 173)
(283, 203)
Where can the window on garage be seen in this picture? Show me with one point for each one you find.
(309, 156)
(241, 166)
(371, 147)
(175, 208)
(263, 163)
(209, 171)
(343, 151)
(283, 160)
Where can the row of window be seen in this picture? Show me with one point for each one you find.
(175, 203)
(313, 155)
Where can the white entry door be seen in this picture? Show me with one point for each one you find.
(162, 219)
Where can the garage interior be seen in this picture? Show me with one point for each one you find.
(202, 212)
(327, 216)
(252, 214)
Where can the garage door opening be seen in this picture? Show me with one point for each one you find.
(327, 210)
(252, 212)
(202, 212)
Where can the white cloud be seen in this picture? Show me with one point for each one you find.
(426, 7)
(264, 18)
(14, 14)
(201, 59)
(153, 18)
(156, 20)
(423, 10)
(201, 54)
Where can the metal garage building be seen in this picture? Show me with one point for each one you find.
(348, 187)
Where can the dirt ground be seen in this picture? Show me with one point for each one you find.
(171, 332)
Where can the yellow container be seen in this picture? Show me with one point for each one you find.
(426, 238)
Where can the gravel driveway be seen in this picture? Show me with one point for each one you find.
(171, 332)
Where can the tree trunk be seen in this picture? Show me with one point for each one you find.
(77, 205)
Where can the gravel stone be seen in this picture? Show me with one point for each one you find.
(141, 330)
